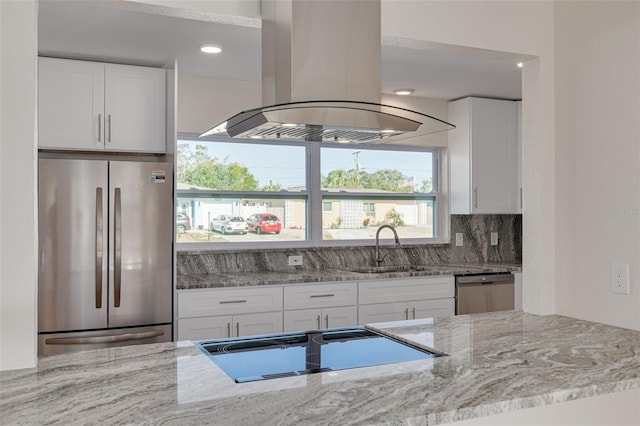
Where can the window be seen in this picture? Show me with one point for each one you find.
(244, 193)
(371, 187)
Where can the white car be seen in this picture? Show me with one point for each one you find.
(229, 225)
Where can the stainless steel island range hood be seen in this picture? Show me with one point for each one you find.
(321, 78)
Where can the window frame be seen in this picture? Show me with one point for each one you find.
(313, 194)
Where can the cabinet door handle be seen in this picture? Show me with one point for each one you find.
(224, 302)
(413, 311)
(520, 198)
(326, 320)
(406, 314)
(237, 329)
(228, 329)
(475, 197)
(321, 295)
(318, 319)
(99, 127)
(109, 126)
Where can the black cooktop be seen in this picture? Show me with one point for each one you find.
(283, 355)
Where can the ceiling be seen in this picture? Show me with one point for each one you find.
(99, 31)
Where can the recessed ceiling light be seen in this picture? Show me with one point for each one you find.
(210, 48)
(520, 64)
(256, 137)
(289, 125)
(403, 92)
(387, 131)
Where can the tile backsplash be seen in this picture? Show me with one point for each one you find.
(477, 248)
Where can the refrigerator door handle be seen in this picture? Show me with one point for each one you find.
(117, 247)
(103, 339)
(99, 254)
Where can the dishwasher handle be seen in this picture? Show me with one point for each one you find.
(485, 279)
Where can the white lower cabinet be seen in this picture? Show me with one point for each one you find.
(234, 312)
(405, 299)
(229, 312)
(229, 326)
(318, 306)
(398, 311)
(315, 319)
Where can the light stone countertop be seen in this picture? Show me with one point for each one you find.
(498, 362)
(292, 276)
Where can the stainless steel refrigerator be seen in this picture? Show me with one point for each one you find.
(105, 254)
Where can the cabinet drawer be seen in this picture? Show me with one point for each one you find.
(320, 295)
(418, 288)
(201, 303)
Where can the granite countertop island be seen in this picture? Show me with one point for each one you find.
(497, 362)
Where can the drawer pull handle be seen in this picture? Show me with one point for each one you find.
(321, 295)
(223, 302)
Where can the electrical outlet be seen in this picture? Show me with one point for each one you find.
(295, 260)
(459, 241)
(494, 238)
(620, 278)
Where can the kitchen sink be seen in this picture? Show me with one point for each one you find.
(381, 269)
(292, 354)
(387, 269)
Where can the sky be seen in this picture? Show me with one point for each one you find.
(285, 165)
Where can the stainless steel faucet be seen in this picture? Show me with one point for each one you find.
(379, 258)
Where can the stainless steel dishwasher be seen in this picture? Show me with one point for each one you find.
(484, 293)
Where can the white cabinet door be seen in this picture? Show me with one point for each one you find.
(383, 312)
(344, 316)
(205, 328)
(519, 157)
(70, 104)
(483, 156)
(494, 156)
(92, 106)
(225, 326)
(432, 308)
(255, 324)
(302, 320)
(135, 108)
(315, 319)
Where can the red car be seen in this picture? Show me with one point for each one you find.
(264, 222)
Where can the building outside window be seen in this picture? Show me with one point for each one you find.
(302, 194)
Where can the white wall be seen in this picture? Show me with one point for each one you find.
(204, 102)
(597, 158)
(18, 244)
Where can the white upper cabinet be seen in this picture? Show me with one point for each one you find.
(92, 106)
(483, 151)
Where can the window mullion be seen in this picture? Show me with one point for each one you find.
(314, 180)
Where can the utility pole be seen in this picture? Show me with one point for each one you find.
(357, 155)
